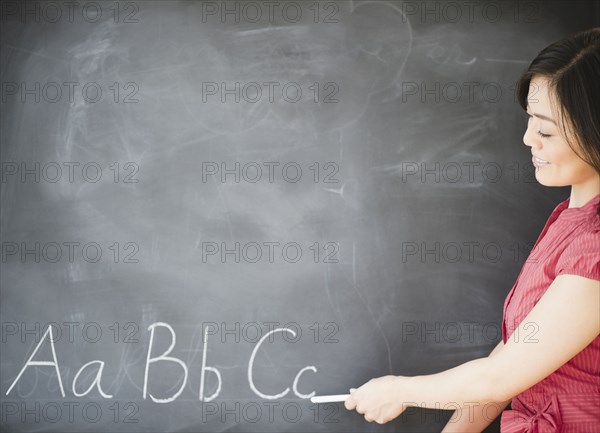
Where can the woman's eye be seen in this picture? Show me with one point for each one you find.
(541, 134)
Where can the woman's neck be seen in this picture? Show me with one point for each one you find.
(583, 193)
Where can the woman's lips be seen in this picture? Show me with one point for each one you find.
(539, 162)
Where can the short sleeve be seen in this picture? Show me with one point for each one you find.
(582, 256)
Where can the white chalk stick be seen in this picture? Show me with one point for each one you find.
(329, 398)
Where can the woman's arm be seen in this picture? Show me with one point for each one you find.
(562, 323)
(474, 419)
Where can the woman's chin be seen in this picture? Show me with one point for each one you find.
(545, 179)
(549, 180)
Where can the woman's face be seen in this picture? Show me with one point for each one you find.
(559, 165)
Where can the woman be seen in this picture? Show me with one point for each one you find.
(548, 362)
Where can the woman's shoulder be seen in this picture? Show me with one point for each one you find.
(591, 228)
(580, 222)
(582, 254)
(587, 235)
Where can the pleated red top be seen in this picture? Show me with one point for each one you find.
(567, 401)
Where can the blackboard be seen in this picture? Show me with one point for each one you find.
(220, 208)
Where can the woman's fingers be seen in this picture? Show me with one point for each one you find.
(376, 400)
(350, 403)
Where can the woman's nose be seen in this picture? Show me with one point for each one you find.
(529, 138)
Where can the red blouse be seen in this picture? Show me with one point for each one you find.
(568, 400)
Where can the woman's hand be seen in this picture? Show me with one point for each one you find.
(379, 399)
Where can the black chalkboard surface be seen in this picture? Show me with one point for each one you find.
(218, 209)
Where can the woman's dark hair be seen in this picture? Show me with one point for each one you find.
(572, 66)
